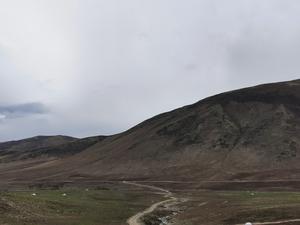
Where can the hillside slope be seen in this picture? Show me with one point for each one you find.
(247, 134)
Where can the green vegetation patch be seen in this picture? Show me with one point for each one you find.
(71, 206)
(239, 207)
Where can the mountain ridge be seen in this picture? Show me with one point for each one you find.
(250, 133)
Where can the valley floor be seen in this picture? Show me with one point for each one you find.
(149, 204)
(239, 207)
(72, 206)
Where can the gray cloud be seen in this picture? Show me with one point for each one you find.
(104, 66)
(22, 110)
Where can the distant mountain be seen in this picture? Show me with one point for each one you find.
(247, 134)
(44, 146)
(14, 150)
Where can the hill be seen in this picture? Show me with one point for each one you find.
(246, 134)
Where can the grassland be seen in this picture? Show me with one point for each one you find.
(71, 206)
(238, 207)
(113, 206)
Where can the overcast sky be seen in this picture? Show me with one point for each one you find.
(88, 67)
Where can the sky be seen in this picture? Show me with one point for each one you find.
(91, 67)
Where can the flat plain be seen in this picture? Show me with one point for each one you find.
(115, 204)
(72, 206)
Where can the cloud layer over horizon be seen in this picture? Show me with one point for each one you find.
(88, 67)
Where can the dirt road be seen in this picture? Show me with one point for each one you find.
(136, 219)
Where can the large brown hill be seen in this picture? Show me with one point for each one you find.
(247, 134)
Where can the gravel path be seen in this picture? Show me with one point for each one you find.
(136, 219)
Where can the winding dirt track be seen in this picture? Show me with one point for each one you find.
(136, 219)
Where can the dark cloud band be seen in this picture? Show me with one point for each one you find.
(21, 110)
